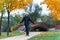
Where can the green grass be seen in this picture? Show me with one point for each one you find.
(47, 36)
(11, 34)
(50, 35)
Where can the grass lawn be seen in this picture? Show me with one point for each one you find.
(11, 34)
(51, 35)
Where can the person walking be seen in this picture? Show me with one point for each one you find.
(26, 19)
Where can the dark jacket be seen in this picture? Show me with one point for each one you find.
(26, 20)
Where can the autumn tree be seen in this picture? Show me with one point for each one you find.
(35, 15)
(1, 11)
(11, 5)
(54, 6)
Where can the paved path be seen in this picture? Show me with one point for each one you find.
(22, 37)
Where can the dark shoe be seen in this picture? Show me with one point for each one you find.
(27, 35)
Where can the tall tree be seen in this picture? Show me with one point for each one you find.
(1, 11)
(1, 22)
(11, 5)
(35, 14)
(16, 4)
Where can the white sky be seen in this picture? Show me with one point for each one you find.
(44, 11)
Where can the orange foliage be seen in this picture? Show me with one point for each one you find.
(19, 4)
(14, 4)
(54, 6)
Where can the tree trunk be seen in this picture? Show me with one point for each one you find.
(8, 27)
(1, 23)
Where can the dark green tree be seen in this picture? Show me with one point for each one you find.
(34, 15)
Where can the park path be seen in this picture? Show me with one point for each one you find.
(22, 37)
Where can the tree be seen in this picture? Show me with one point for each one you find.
(1, 22)
(15, 4)
(34, 15)
(1, 11)
(54, 6)
(11, 5)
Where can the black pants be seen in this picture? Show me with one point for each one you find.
(27, 28)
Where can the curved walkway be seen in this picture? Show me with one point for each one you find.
(22, 37)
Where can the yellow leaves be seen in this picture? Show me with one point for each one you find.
(25, 3)
(19, 4)
(12, 29)
(1, 7)
(14, 4)
(54, 14)
(53, 5)
(42, 3)
(2, 1)
(43, 33)
(2, 4)
(29, 1)
(58, 16)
